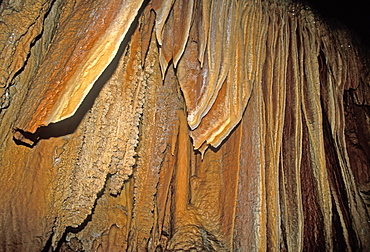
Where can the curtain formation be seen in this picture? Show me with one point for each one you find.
(214, 125)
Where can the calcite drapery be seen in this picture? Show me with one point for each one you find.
(262, 81)
(97, 31)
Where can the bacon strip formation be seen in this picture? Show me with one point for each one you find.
(182, 125)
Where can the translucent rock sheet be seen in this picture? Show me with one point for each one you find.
(93, 32)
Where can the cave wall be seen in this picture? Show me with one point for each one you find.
(169, 125)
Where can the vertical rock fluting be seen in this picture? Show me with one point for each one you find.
(183, 125)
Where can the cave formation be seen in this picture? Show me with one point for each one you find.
(173, 125)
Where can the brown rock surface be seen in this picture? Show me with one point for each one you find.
(172, 125)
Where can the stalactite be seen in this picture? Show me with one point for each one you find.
(182, 125)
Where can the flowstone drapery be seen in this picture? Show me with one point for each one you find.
(181, 125)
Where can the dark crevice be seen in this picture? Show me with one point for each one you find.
(335, 176)
(69, 125)
(337, 185)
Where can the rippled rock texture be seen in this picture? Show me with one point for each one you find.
(173, 125)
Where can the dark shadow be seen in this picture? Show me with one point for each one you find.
(48, 243)
(352, 14)
(69, 125)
